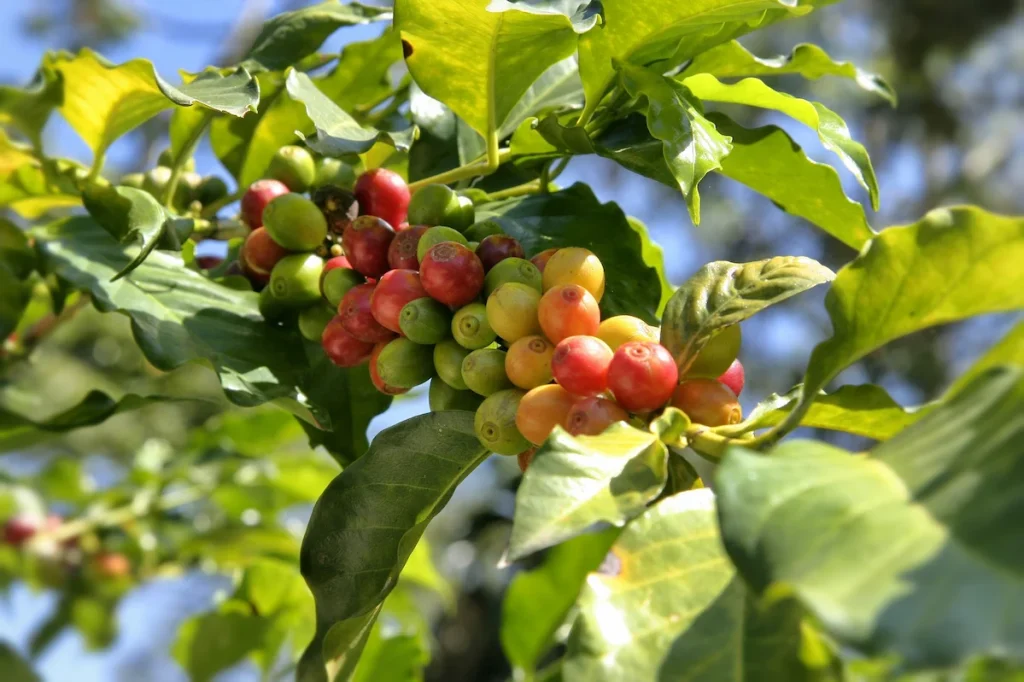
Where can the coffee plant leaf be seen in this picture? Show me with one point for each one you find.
(28, 109)
(584, 14)
(16, 668)
(131, 216)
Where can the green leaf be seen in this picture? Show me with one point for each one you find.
(359, 538)
(667, 32)
(557, 89)
(669, 606)
(567, 218)
(178, 316)
(131, 216)
(95, 408)
(575, 482)
(28, 109)
(185, 124)
(211, 643)
(691, 144)
(584, 14)
(396, 658)
(871, 544)
(538, 601)
(14, 667)
(953, 264)
(362, 77)
(654, 257)
(831, 128)
(722, 294)
(732, 60)
(27, 185)
(288, 37)
(768, 161)
(1008, 351)
(337, 132)
(479, 63)
(14, 298)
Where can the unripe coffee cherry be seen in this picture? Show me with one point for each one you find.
(342, 348)
(259, 254)
(496, 248)
(484, 371)
(471, 328)
(734, 377)
(296, 279)
(375, 377)
(335, 173)
(621, 329)
(393, 291)
(512, 270)
(575, 265)
(495, 423)
(366, 243)
(528, 363)
(211, 188)
(512, 311)
(275, 312)
(433, 205)
(357, 317)
(402, 252)
(568, 310)
(708, 402)
(438, 235)
(580, 365)
(540, 261)
(383, 193)
(443, 397)
(541, 410)
(485, 228)
(294, 222)
(256, 198)
(642, 376)
(337, 279)
(425, 321)
(452, 274)
(464, 217)
(294, 166)
(314, 319)
(405, 364)
(448, 357)
(592, 416)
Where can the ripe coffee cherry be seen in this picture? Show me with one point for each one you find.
(208, 262)
(708, 402)
(334, 172)
(337, 282)
(580, 365)
(496, 248)
(512, 311)
(256, 198)
(295, 279)
(734, 377)
(357, 317)
(642, 376)
(404, 364)
(542, 258)
(402, 252)
(471, 328)
(541, 410)
(592, 416)
(366, 243)
(393, 291)
(719, 352)
(111, 565)
(338, 205)
(513, 270)
(484, 371)
(383, 193)
(314, 319)
(568, 310)
(425, 321)
(443, 397)
(259, 254)
(19, 529)
(438, 235)
(341, 347)
(495, 423)
(574, 265)
(528, 362)
(525, 457)
(448, 357)
(485, 228)
(294, 166)
(621, 329)
(434, 205)
(294, 222)
(378, 383)
(452, 274)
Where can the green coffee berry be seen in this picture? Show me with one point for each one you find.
(448, 357)
(470, 327)
(295, 280)
(294, 166)
(404, 364)
(294, 222)
(314, 319)
(484, 371)
(443, 397)
(337, 282)
(513, 270)
(425, 321)
(495, 423)
(437, 235)
(334, 172)
(479, 231)
(432, 205)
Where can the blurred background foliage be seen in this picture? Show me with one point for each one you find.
(955, 137)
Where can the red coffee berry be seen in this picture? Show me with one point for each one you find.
(208, 262)
(402, 252)
(734, 377)
(542, 258)
(357, 316)
(383, 193)
(19, 529)
(642, 376)
(580, 365)
(591, 416)
(259, 254)
(452, 274)
(341, 347)
(256, 198)
(568, 310)
(496, 248)
(393, 291)
(366, 242)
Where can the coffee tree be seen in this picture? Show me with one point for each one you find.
(400, 222)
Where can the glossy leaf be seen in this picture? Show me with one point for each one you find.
(732, 60)
(654, 257)
(722, 294)
(567, 218)
(337, 133)
(359, 538)
(831, 129)
(28, 109)
(538, 601)
(668, 605)
(129, 215)
(557, 88)
(667, 33)
(479, 63)
(574, 483)
(871, 544)
(584, 14)
(691, 144)
(178, 316)
(27, 185)
(288, 37)
(953, 264)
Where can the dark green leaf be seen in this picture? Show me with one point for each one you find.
(584, 14)
(95, 408)
(1008, 351)
(131, 216)
(236, 93)
(14, 298)
(667, 605)
(288, 37)
(538, 601)
(13, 667)
(436, 150)
(397, 658)
(567, 218)
(575, 483)
(732, 60)
(871, 545)
(691, 144)
(359, 538)
(722, 294)
(15, 251)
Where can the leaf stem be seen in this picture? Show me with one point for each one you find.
(709, 444)
(211, 210)
(472, 170)
(186, 153)
(97, 165)
(532, 187)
